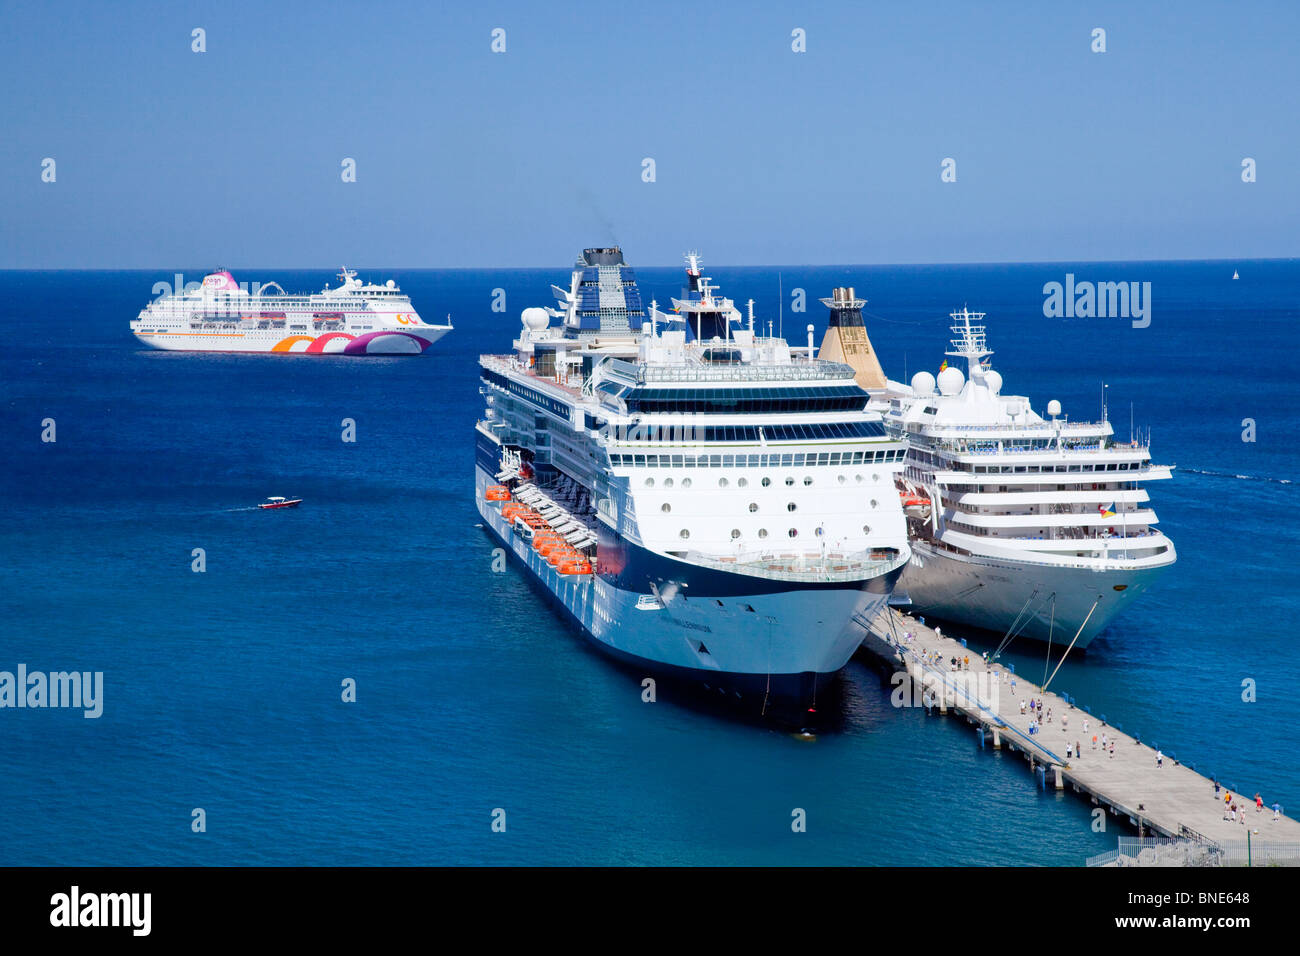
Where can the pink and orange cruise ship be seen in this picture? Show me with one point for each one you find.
(354, 318)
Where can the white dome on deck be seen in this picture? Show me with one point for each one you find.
(923, 384)
(993, 380)
(535, 319)
(951, 380)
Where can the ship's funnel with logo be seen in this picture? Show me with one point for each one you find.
(846, 339)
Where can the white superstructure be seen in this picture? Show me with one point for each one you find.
(354, 318)
(1040, 527)
(731, 499)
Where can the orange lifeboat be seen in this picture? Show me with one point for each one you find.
(498, 493)
(561, 556)
(581, 566)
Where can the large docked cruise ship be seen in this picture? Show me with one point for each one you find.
(1020, 525)
(354, 318)
(702, 500)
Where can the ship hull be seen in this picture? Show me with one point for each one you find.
(769, 646)
(992, 593)
(414, 341)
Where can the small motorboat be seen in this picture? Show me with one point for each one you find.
(281, 503)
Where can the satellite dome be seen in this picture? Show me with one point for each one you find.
(535, 319)
(993, 380)
(1053, 408)
(923, 384)
(391, 284)
(951, 380)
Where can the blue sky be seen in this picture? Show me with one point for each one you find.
(465, 157)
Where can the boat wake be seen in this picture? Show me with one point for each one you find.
(1225, 474)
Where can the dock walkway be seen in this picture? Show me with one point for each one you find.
(1172, 800)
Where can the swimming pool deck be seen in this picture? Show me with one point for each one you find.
(1172, 800)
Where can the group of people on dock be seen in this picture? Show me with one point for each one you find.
(1235, 812)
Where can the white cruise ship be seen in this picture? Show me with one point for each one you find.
(1031, 527)
(702, 501)
(354, 318)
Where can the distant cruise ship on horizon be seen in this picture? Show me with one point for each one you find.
(1032, 527)
(350, 319)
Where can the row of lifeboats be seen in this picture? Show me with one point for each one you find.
(550, 544)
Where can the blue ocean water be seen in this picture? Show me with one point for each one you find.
(223, 688)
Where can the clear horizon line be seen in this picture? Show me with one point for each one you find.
(773, 265)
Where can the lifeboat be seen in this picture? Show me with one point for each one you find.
(562, 556)
(498, 493)
(915, 504)
(581, 566)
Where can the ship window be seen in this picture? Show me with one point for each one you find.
(765, 482)
(666, 507)
(685, 533)
(722, 482)
(794, 532)
(875, 503)
(866, 529)
(875, 477)
(762, 532)
(791, 506)
(858, 478)
(841, 479)
(735, 533)
(789, 482)
(820, 531)
(753, 506)
(686, 482)
(807, 480)
(649, 482)
(668, 482)
(742, 482)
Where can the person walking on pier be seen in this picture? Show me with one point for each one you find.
(1277, 810)
(1078, 749)
(1160, 758)
(1094, 736)
(1216, 790)
(1085, 726)
(1112, 750)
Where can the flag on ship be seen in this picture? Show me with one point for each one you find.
(1107, 511)
(944, 365)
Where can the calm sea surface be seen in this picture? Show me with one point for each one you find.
(222, 689)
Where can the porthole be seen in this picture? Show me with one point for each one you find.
(791, 506)
(858, 479)
(875, 503)
(666, 507)
(742, 482)
(668, 482)
(807, 480)
(685, 533)
(765, 482)
(875, 477)
(753, 506)
(762, 532)
(722, 482)
(866, 529)
(789, 482)
(841, 479)
(686, 482)
(735, 533)
(820, 531)
(794, 532)
(649, 482)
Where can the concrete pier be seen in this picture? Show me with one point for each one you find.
(1169, 800)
